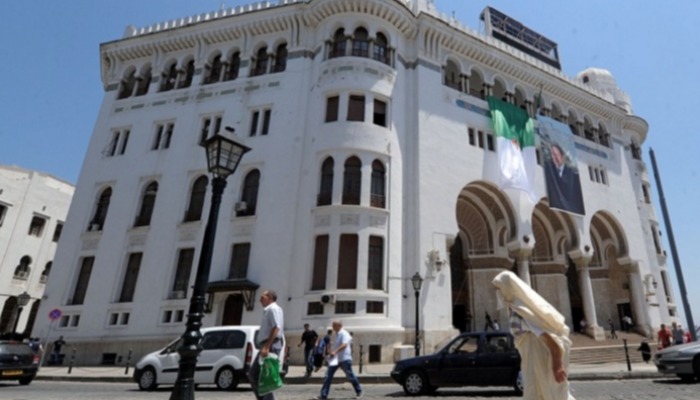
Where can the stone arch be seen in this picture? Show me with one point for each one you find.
(487, 223)
(500, 89)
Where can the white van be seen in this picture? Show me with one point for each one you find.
(227, 352)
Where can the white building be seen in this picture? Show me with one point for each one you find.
(373, 159)
(33, 208)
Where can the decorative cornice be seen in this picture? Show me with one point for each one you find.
(394, 12)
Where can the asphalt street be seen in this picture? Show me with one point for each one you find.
(639, 389)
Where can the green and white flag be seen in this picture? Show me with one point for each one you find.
(515, 141)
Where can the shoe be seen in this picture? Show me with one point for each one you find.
(359, 395)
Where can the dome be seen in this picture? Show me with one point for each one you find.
(603, 81)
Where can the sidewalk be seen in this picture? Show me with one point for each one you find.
(371, 374)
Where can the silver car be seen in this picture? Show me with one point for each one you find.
(683, 360)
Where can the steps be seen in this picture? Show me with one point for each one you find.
(585, 350)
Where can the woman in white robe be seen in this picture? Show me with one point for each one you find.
(541, 337)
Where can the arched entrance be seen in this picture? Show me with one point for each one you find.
(8, 316)
(487, 224)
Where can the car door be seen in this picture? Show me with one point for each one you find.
(459, 365)
(169, 362)
(212, 344)
(498, 360)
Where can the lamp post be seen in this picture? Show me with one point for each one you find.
(22, 301)
(417, 282)
(223, 156)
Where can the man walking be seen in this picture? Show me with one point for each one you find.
(270, 338)
(308, 338)
(340, 356)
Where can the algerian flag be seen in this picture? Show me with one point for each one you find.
(515, 133)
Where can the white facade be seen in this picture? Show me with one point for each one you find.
(427, 198)
(33, 208)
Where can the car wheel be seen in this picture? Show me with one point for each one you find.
(414, 383)
(147, 380)
(226, 379)
(518, 384)
(25, 381)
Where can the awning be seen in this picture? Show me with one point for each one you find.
(243, 286)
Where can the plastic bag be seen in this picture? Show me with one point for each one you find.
(269, 379)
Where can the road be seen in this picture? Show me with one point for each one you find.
(663, 389)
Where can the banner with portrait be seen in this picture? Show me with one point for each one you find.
(561, 172)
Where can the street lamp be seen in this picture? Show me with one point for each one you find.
(417, 282)
(223, 156)
(22, 301)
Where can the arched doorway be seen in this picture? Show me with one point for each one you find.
(486, 222)
(233, 310)
(32, 318)
(8, 316)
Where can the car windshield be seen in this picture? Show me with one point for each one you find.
(466, 344)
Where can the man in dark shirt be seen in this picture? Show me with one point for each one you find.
(56, 351)
(308, 338)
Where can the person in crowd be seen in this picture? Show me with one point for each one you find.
(677, 333)
(308, 339)
(613, 330)
(270, 338)
(664, 336)
(56, 351)
(646, 351)
(340, 356)
(541, 337)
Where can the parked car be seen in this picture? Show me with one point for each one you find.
(470, 359)
(683, 360)
(227, 352)
(18, 362)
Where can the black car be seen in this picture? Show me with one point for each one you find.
(470, 359)
(17, 362)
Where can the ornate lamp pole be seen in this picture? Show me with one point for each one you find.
(22, 301)
(417, 282)
(223, 156)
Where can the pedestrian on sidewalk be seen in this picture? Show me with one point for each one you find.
(321, 350)
(55, 358)
(664, 337)
(677, 333)
(340, 356)
(308, 339)
(646, 351)
(541, 337)
(627, 321)
(613, 331)
(270, 338)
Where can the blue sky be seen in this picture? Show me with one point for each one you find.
(52, 89)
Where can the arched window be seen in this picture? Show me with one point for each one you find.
(189, 74)
(214, 70)
(251, 184)
(377, 194)
(169, 77)
(325, 193)
(280, 58)
(98, 220)
(381, 49)
(499, 90)
(234, 65)
(127, 84)
(360, 43)
(199, 191)
(352, 181)
(476, 85)
(261, 61)
(45, 273)
(148, 202)
(339, 44)
(452, 75)
(22, 270)
(144, 81)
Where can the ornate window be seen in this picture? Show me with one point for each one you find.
(197, 195)
(325, 193)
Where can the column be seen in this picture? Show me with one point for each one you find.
(589, 312)
(638, 301)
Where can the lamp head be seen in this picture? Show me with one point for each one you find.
(223, 154)
(416, 281)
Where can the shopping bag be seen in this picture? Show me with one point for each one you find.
(269, 379)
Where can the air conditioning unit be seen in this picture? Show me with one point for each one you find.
(179, 294)
(328, 298)
(240, 206)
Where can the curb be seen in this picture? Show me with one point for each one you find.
(371, 380)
